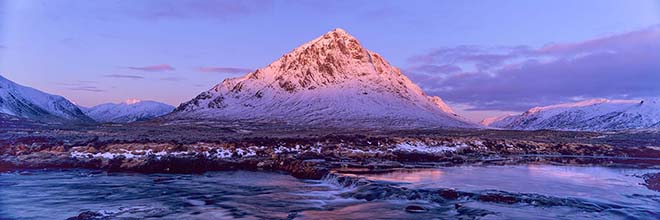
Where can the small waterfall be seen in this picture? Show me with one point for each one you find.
(344, 181)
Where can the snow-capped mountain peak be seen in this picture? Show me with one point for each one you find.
(332, 58)
(594, 114)
(26, 102)
(128, 111)
(132, 101)
(331, 78)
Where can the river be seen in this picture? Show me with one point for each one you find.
(477, 192)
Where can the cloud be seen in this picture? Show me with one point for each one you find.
(123, 76)
(517, 78)
(228, 70)
(173, 79)
(153, 68)
(77, 83)
(81, 85)
(86, 88)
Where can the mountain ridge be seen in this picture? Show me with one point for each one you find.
(588, 115)
(331, 80)
(29, 103)
(129, 111)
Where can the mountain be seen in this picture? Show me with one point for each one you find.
(129, 111)
(498, 121)
(330, 81)
(589, 115)
(25, 102)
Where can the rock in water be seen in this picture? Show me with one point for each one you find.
(88, 215)
(652, 181)
(416, 209)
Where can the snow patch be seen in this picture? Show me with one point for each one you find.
(421, 147)
(213, 152)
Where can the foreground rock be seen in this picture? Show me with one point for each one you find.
(416, 209)
(88, 215)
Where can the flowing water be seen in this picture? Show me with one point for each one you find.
(538, 192)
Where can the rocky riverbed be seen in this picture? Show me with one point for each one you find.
(187, 147)
(314, 157)
(348, 159)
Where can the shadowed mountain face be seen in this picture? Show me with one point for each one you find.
(330, 81)
(589, 115)
(29, 103)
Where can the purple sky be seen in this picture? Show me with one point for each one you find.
(484, 59)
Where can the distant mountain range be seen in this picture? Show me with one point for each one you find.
(21, 102)
(330, 81)
(130, 111)
(589, 115)
(25, 102)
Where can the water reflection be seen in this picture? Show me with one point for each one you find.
(410, 176)
(601, 183)
(224, 195)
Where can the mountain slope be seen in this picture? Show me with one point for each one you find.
(498, 121)
(25, 102)
(330, 81)
(129, 111)
(589, 115)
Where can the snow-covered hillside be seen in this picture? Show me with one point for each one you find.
(26, 102)
(329, 81)
(499, 121)
(129, 111)
(589, 115)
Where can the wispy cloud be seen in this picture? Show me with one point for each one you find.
(516, 78)
(81, 85)
(173, 79)
(152, 68)
(123, 76)
(228, 70)
(86, 88)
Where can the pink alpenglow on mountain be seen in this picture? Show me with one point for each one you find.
(331, 81)
(497, 121)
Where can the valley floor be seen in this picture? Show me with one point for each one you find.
(188, 147)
